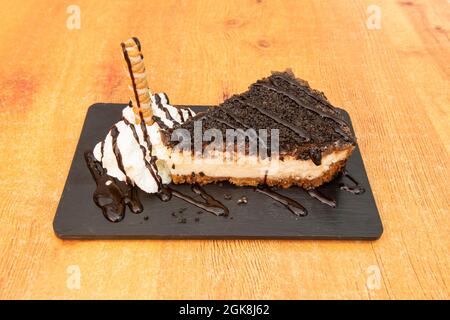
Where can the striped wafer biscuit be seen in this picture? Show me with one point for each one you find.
(142, 104)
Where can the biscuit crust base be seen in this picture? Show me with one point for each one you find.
(287, 182)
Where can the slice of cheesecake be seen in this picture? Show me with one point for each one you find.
(283, 133)
(314, 141)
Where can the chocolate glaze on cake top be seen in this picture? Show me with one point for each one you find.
(308, 124)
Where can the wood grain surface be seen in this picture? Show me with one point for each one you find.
(394, 82)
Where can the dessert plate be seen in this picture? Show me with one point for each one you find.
(77, 217)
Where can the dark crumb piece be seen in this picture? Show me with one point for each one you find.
(173, 214)
(227, 196)
(173, 166)
(146, 218)
(201, 174)
(231, 218)
(242, 200)
(197, 219)
(192, 174)
(182, 220)
(182, 210)
(199, 212)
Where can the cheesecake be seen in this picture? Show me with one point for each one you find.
(314, 141)
(282, 133)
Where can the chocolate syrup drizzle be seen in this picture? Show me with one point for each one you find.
(130, 70)
(292, 205)
(234, 117)
(318, 98)
(315, 155)
(271, 86)
(210, 204)
(276, 118)
(167, 113)
(102, 150)
(355, 189)
(263, 143)
(224, 122)
(112, 195)
(138, 43)
(180, 113)
(151, 166)
(163, 108)
(160, 123)
(114, 134)
(338, 120)
(316, 194)
(189, 112)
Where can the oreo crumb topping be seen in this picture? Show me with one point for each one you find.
(307, 122)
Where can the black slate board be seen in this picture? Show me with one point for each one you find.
(77, 217)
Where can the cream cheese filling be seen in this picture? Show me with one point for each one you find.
(252, 167)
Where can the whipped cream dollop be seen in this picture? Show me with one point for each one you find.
(135, 153)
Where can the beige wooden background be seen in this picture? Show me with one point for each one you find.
(393, 81)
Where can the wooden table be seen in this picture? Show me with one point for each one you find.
(393, 80)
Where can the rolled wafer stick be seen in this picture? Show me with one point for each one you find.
(142, 104)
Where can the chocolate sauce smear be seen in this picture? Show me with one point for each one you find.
(165, 194)
(209, 204)
(292, 205)
(217, 206)
(111, 194)
(355, 189)
(316, 194)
